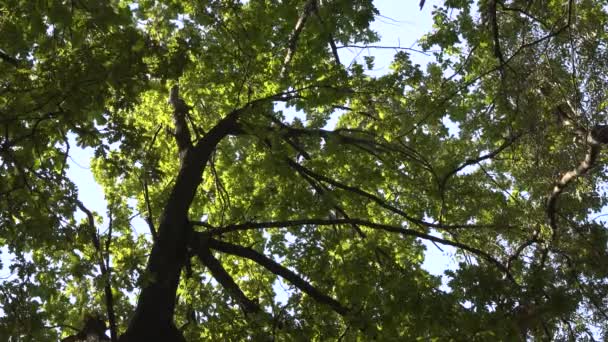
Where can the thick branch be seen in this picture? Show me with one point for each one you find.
(278, 270)
(334, 49)
(153, 317)
(201, 249)
(93, 330)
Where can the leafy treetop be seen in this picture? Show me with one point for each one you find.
(180, 101)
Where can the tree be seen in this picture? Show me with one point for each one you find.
(179, 100)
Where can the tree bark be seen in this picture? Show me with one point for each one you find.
(153, 317)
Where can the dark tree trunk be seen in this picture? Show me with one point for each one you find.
(153, 317)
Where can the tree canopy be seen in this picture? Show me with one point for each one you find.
(493, 149)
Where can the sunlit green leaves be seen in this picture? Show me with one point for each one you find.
(469, 143)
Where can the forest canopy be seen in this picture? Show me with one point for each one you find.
(265, 226)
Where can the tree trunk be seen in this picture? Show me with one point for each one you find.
(153, 317)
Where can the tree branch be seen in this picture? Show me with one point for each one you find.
(105, 273)
(295, 35)
(508, 142)
(382, 47)
(149, 219)
(330, 38)
(153, 316)
(525, 13)
(529, 242)
(321, 190)
(330, 222)
(595, 138)
(8, 59)
(493, 17)
(180, 111)
(350, 138)
(201, 248)
(381, 202)
(278, 270)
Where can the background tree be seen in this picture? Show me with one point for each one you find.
(179, 100)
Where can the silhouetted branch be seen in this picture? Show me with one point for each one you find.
(180, 111)
(378, 226)
(278, 270)
(508, 142)
(201, 248)
(381, 202)
(295, 35)
(321, 190)
(330, 38)
(493, 17)
(105, 273)
(348, 136)
(149, 219)
(382, 47)
(8, 59)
